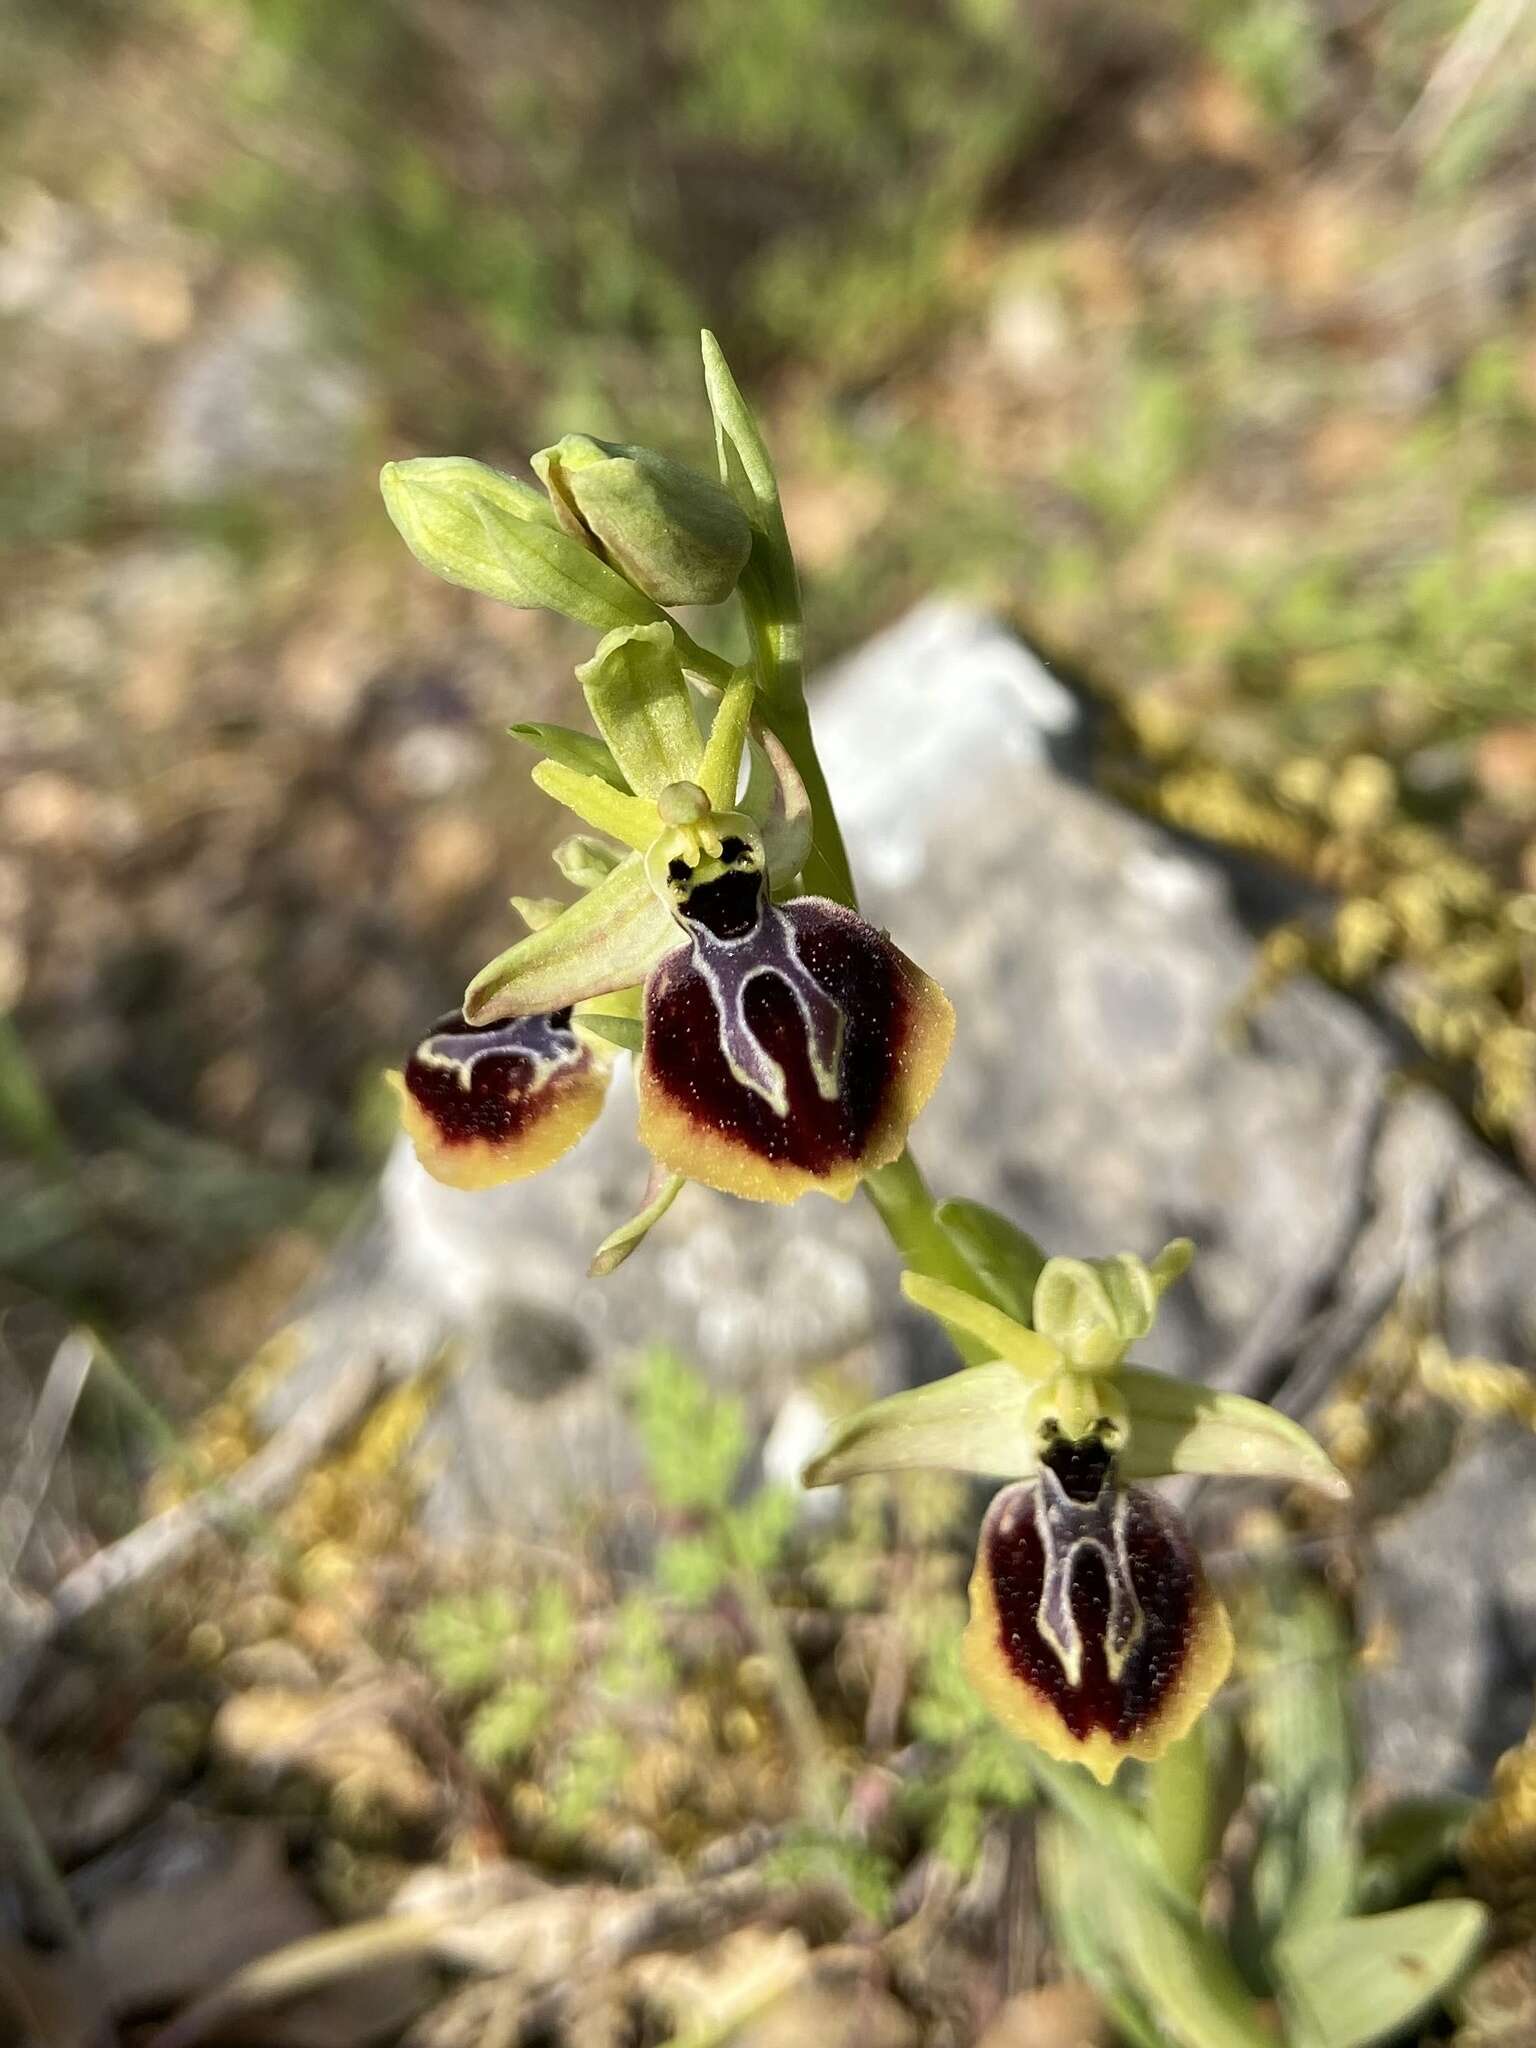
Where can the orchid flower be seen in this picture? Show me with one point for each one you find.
(1094, 1631)
(784, 1044)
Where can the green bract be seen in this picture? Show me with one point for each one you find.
(676, 535)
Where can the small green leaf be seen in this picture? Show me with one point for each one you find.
(464, 1640)
(1177, 1426)
(472, 526)
(977, 1420)
(662, 1192)
(746, 469)
(579, 751)
(503, 1730)
(643, 707)
(1006, 1260)
(611, 811)
(1298, 1727)
(1033, 1355)
(1350, 1982)
(609, 939)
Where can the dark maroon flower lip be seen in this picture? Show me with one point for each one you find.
(786, 1047)
(490, 1103)
(1094, 1631)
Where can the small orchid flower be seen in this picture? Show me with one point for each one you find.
(1094, 1632)
(784, 1044)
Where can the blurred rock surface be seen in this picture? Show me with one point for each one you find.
(1103, 1094)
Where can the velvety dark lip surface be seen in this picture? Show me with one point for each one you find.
(482, 1084)
(1166, 1578)
(862, 973)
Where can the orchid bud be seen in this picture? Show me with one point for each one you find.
(676, 535)
(487, 532)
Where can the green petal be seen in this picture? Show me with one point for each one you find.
(627, 818)
(1179, 1427)
(977, 1420)
(721, 767)
(474, 527)
(1030, 1354)
(662, 1192)
(1004, 1258)
(643, 707)
(578, 750)
(608, 940)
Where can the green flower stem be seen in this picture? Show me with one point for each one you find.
(904, 1203)
(826, 871)
(802, 1723)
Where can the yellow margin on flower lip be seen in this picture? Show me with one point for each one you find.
(1025, 1713)
(707, 1155)
(559, 1113)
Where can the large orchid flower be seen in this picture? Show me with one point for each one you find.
(1094, 1632)
(783, 1043)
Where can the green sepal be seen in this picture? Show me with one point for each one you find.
(1176, 1426)
(661, 1193)
(979, 1420)
(609, 939)
(1350, 1982)
(1005, 1260)
(581, 751)
(675, 534)
(643, 708)
(720, 767)
(597, 803)
(472, 526)
(1095, 1309)
(1032, 1355)
(587, 861)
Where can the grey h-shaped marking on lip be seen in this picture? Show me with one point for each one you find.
(1066, 1528)
(730, 966)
